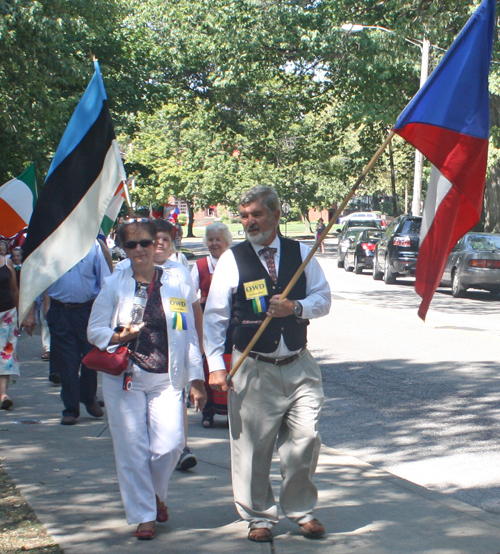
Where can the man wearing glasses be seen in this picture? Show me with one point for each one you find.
(71, 299)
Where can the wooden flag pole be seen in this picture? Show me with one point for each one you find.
(317, 244)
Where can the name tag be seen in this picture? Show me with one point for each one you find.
(255, 289)
(178, 305)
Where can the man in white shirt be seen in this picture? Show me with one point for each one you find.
(276, 396)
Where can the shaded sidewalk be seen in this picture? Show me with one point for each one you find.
(68, 476)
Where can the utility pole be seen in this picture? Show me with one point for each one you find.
(419, 159)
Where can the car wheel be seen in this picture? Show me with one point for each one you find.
(347, 267)
(376, 274)
(457, 290)
(357, 268)
(340, 263)
(389, 277)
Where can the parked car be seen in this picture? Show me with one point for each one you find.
(359, 215)
(359, 255)
(474, 263)
(345, 238)
(377, 223)
(397, 250)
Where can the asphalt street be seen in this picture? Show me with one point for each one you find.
(419, 400)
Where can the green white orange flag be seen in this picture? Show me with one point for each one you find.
(17, 199)
(113, 209)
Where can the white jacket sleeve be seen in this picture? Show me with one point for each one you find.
(99, 330)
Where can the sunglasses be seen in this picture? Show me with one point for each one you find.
(132, 244)
(136, 220)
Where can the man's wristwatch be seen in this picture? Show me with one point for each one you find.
(297, 310)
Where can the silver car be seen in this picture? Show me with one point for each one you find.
(474, 263)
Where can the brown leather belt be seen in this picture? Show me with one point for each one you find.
(276, 361)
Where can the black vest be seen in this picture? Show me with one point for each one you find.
(246, 322)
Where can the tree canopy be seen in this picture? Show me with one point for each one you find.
(213, 96)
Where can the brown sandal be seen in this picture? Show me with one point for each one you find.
(260, 534)
(312, 529)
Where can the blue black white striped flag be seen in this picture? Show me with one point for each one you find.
(83, 177)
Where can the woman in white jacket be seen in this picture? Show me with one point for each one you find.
(146, 421)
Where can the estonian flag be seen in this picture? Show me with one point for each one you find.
(448, 121)
(80, 185)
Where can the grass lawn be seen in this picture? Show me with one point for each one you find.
(292, 228)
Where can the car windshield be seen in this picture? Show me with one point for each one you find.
(484, 242)
(372, 235)
(363, 223)
(411, 227)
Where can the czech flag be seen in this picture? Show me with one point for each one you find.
(448, 122)
(82, 180)
(174, 214)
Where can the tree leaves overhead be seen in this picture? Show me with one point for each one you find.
(213, 96)
(46, 50)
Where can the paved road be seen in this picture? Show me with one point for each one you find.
(419, 400)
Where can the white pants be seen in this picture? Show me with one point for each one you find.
(45, 332)
(275, 405)
(147, 426)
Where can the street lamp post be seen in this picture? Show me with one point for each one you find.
(424, 70)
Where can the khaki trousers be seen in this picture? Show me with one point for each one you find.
(275, 405)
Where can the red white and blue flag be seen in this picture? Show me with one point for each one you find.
(174, 214)
(448, 122)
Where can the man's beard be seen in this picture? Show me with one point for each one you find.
(261, 238)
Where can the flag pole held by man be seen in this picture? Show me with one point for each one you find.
(81, 182)
(448, 122)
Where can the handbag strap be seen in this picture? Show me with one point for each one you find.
(150, 291)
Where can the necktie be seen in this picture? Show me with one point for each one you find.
(268, 254)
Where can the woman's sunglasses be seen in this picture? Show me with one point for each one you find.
(132, 244)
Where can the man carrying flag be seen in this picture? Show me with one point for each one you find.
(277, 396)
(448, 121)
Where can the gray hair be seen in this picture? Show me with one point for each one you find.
(268, 195)
(218, 226)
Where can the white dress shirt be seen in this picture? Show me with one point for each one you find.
(225, 283)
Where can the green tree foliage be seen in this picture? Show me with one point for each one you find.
(46, 49)
(214, 96)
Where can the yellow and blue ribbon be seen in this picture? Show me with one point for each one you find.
(259, 304)
(180, 321)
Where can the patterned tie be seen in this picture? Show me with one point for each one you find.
(268, 254)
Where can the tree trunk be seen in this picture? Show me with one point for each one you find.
(307, 223)
(393, 181)
(490, 218)
(190, 220)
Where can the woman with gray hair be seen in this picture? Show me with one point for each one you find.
(218, 239)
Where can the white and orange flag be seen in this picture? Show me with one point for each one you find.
(17, 200)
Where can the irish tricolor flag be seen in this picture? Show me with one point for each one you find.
(113, 209)
(17, 200)
(82, 180)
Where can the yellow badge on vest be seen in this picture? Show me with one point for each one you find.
(180, 309)
(256, 291)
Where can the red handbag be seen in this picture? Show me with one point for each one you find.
(114, 363)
